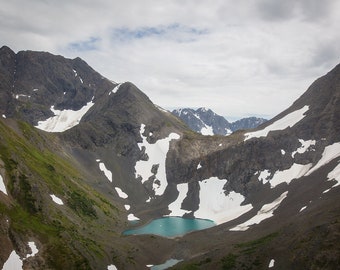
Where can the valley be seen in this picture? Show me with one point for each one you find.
(83, 159)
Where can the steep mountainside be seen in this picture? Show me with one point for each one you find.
(82, 158)
(206, 122)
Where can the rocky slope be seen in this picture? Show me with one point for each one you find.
(81, 156)
(206, 122)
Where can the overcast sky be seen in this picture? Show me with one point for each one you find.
(239, 58)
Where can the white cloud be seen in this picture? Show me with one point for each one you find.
(238, 58)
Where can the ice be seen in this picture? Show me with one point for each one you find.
(287, 121)
(305, 145)
(56, 199)
(175, 207)
(13, 262)
(121, 193)
(63, 120)
(265, 212)
(219, 207)
(271, 263)
(329, 153)
(286, 176)
(2, 185)
(111, 267)
(132, 217)
(107, 172)
(157, 155)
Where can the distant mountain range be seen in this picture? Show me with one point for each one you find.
(207, 122)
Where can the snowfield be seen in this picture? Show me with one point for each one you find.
(286, 176)
(219, 207)
(63, 120)
(329, 153)
(287, 121)
(265, 212)
(175, 207)
(157, 155)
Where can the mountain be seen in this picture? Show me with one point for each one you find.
(83, 158)
(206, 122)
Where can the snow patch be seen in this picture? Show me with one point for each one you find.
(63, 120)
(17, 96)
(157, 155)
(115, 89)
(219, 207)
(329, 153)
(286, 176)
(81, 80)
(35, 89)
(303, 208)
(2, 185)
(199, 166)
(335, 175)
(283, 152)
(111, 267)
(305, 145)
(271, 263)
(175, 207)
(13, 262)
(265, 212)
(132, 217)
(121, 193)
(4, 116)
(207, 131)
(33, 248)
(107, 172)
(127, 207)
(264, 176)
(56, 199)
(287, 121)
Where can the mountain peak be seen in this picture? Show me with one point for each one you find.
(205, 121)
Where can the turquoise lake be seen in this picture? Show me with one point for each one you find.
(171, 226)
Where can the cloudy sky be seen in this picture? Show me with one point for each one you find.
(239, 58)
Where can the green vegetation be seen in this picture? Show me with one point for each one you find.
(250, 247)
(81, 204)
(229, 261)
(33, 171)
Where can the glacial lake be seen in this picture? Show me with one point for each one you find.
(171, 226)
